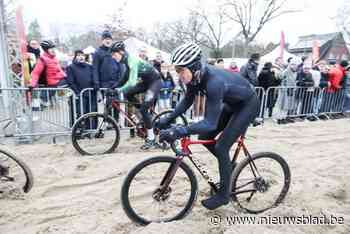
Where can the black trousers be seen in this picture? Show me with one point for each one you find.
(151, 91)
(233, 123)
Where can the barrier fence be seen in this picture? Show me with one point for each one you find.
(44, 111)
(53, 111)
(293, 102)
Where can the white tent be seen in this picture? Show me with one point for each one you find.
(133, 45)
(89, 50)
(271, 57)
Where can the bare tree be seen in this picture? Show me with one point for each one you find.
(169, 35)
(117, 24)
(253, 15)
(342, 18)
(213, 31)
(8, 12)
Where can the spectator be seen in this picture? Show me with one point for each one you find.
(211, 61)
(300, 66)
(266, 80)
(334, 92)
(143, 53)
(106, 70)
(304, 94)
(168, 86)
(33, 54)
(47, 72)
(322, 67)
(79, 77)
(249, 70)
(347, 92)
(316, 76)
(157, 63)
(336, 76)
(220, 63)
(233, 67)
(33, 50)
(286, 95)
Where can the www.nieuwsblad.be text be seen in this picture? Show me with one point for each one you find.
(276, 220)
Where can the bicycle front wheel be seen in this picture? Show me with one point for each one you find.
(146, 199)
(261, 182)
(94, 133)
(14, 173)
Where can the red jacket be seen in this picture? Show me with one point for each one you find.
(54, 72)
(335, 76)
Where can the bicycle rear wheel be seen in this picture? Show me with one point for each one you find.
(14, 173)
(145, 200)
(94, 134)
(261, 182)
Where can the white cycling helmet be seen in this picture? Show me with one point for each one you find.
(186, 55)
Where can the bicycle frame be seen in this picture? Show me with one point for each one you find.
(186, 152)
(116, 105)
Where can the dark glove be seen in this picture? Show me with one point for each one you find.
(162, 123)
(173, 134)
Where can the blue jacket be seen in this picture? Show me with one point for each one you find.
(79, 77)
(106, 71)
(249, 71)
(167, 86)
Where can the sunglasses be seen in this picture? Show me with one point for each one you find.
(179, 69)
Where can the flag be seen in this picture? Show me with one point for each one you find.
(23, 46)
(282, 44)
(315, 52)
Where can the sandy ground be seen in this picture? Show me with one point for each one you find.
(75, 194)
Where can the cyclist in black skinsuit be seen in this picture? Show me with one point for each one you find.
(231, 105)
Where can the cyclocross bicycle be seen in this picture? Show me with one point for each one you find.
(163, 188)
(98, 133)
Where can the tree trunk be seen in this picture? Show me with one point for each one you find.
(245, 48)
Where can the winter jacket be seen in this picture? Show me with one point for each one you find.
(335, 77)
(157, 65)
(53, 72)
(324, 80)
(167, 86)
(304, 80)
(267, 79)
(79, 77)
(249, 71)
(106, 70)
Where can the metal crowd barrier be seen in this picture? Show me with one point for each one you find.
(53, 111)
(44, 111)
(292, 102)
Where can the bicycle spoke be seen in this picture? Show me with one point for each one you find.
(258, 193)
(160, 203)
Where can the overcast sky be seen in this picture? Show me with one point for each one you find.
(314, 18)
